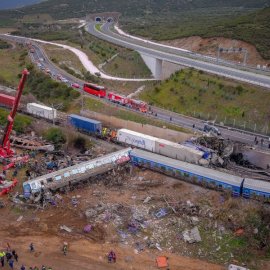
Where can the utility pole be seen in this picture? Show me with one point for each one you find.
(218, 53)
(55, 107)
(245, 58)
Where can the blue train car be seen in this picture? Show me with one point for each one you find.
(256, 189)
(85, 124)
(190, 172)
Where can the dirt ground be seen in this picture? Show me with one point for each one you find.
(209, 46)
(88, 251)
(121, 207)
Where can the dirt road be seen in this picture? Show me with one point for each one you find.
(86, 255)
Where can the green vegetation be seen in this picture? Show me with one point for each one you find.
(209, 97)
(21, 123)
(158, 19)
(12, 63)
(61, 9)
(55, 135)
(49, 91)
(127, 64)
(252, 27)
(99, 106)
(4, 45)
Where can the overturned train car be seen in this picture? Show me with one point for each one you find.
(74, 174)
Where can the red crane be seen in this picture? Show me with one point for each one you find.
(5, 150)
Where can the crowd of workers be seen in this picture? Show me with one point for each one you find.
(10, 257)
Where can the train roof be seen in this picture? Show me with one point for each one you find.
(195, 169)
(258, 185)
(134, 133)
(179, 146)
(41, 106)
(85, 118)
(97, 161)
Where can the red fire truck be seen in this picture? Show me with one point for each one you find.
(118, 98)
(138, 105)
(96, 90)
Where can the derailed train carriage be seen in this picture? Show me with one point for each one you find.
(74, 174)
(209, 178)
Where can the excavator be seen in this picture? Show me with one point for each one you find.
(6, 153)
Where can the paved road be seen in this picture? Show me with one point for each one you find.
(178, 57)
(39, 56)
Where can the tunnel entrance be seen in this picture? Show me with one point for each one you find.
(98, 19)
(110, 19)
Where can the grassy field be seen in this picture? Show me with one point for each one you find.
(21, 123)
(36, 18)
(12, 63)
(128, 64)
(99, 106)
(66, 58)
(198, 94)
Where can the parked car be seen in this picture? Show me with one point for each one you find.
(211, 128)
(75, 85)
(64, 80)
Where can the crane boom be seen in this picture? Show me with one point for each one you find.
(5, 150)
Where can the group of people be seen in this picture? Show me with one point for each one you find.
(256, 141)
(112, 257)
(10, 256)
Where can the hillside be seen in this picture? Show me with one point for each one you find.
(17, 3)
(252, 27)
(60, 9)
(166, 20)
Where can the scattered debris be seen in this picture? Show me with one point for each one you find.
(161, 213)
(19, 218)
(147, 199)
(65, 228)
(239, 232)
(162, 262)
(158, 247)
(87, 228)
(192, 236)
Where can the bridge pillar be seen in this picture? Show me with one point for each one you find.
(154, 64)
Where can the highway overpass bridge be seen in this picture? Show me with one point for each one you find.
(154, 54)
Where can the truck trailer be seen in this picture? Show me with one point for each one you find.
(42, 111)
(85, 124)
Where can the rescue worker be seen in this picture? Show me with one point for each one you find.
(11, 264)
(15, 255)
(65, 248)
(31, 246)
(111, 257)
(8, 256)
(2, 258)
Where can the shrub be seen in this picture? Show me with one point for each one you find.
(55, 135)
(80, 143)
